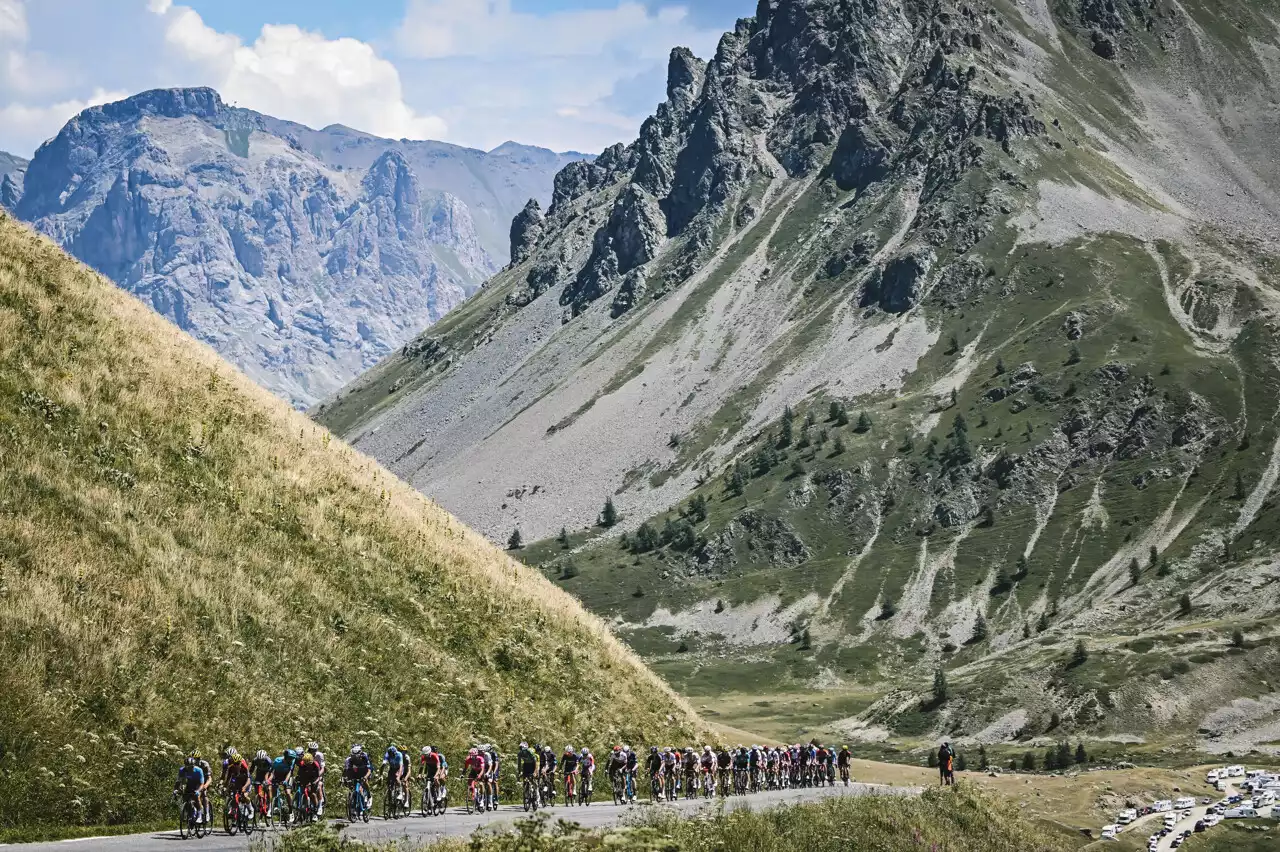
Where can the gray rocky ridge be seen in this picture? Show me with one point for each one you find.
(304, 256)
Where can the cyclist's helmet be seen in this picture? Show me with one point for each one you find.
(568, 749)
(707, 749)
(195, 753)
(262, 754)
(586, 752)
(290, 753)
(524, 746)
(426, 750)
(191, 761)
(844, 748)
(653, 749)
(473, 752)
(232, 753)
(617, 748)
(356, 749)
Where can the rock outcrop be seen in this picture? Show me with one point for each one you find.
(303, 256)
(526, 230)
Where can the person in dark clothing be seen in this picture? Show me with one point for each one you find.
(945, 773)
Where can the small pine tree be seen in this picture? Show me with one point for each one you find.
(1184, 604)
(1050, 759)
(1073, 357)
(797, 468)
(787, 434)
(809, 419)
(1153, 557)
(1026, 630)
(719, 606)
(940, 686)
(1080, 654)
(983, 764)
(736, 483)
(1239, 492)
(1029, 762)
(1162, 570)
(842, 419)
(837, 446)
(806, 641)
(609, 514)
(1237, 638)
(1082, 756)
(563, 538)
(1042, 624)
(864, 423)
(1000, 369)
(1055, 720)
(954, 397)
(953, 345)
(980, 629)
(516, 541)
(1064, 755)
(833, 411)
(961, 764)
(888, 609)
(1135, 571)
(931, 759)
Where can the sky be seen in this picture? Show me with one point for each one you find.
(563, 74)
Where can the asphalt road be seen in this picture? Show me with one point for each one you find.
(456, 823)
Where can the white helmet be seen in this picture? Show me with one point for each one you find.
(568, 749)
(313, 746)
(262, 754)
(356, 749)
(586, 752)
(426, 750)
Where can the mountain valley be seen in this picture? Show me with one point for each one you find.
(926, 357)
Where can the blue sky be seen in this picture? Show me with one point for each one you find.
(565, 74)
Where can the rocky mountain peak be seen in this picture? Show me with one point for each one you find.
(391, 178)
(686, 75)
(10, 192)
(526, 230)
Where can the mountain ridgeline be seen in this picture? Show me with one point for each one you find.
(304, 256)
(186, 561)
(907, 338)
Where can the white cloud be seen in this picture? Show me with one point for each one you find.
(44, 122)
(293, 73)
(439, 29)
(563, 79)
(13, 21)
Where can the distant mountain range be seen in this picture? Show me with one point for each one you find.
(304, 256)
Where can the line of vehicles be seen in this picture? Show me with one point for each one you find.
(1260, 790)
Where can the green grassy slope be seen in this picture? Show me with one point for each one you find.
(185, 561)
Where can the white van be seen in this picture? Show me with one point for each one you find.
(1220, 786)
(1242, 812)
(1126, 816)
(1254, 773)
(1162, 806)
(1185, 803)
(1236, 771)
(1170, 821)
(1267, 797)
(1108, 832)
(1212, 777)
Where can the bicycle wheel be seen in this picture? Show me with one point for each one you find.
(230, 822)
(185, 821)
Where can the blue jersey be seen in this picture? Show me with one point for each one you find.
(394, 758)
(281, 767)
(190, 777)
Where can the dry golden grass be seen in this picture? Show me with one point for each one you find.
(185, 560)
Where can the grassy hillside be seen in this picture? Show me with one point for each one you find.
(186, 561)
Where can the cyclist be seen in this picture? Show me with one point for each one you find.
(741, 763)
(473, 769)
(282, 771)
(569, 768)
(190, 782)
(708, 766)
(527, 765)
(396, 763)
(588, 770)
(235, 776)
(432, 771)
(313, 748)
(633, 769)
(495, 768)
(691, 771)
(617, 769)
(753, 767)
(307, 776)
(670, 777)
(205, 810)
(653, 765)
(723, 761)
(260, 771)
(358, 768)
